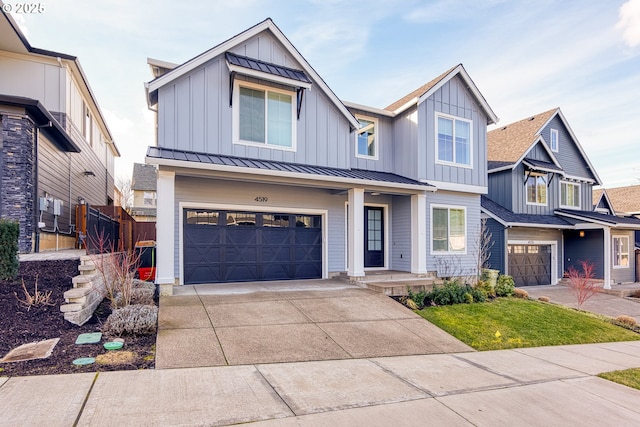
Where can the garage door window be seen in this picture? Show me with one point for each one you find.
(202, 217)
(241, 218)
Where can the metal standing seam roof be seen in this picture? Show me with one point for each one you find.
(266, 67)
(541, 165)
(240, 162)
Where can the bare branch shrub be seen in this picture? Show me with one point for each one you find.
(582, 283)
(38, 298)
(483, 245)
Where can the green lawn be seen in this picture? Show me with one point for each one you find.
(628, 377)
(522, 323)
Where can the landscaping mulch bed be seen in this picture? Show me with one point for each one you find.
(20, 325)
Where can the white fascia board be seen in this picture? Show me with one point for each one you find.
(470, 85)
(581, 218)
(368, 109)
(544, 145)
(581, 179)
(350, 182)
(494, 216)
(267, 24)
(549, 226)
(503, 168)
(461, 188)
(267, 76)
(575, 140)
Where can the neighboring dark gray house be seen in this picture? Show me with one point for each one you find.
(143, 185)
(540, 210)
(265, 174)
(55, 148)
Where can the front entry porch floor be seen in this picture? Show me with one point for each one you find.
(288, 321)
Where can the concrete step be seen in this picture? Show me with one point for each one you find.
(400, 287)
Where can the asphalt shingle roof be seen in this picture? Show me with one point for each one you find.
(240, 162)
(418, 92)
(507, 144)
(601, 217)
(624, 199)
(514, 218)
(144, 177)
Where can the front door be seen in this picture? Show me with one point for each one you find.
(374, 237)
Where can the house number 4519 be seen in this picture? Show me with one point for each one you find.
(261, 199)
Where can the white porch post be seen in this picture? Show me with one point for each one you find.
(419, 233)
(607, 258)
(356, 232)
(165, 227)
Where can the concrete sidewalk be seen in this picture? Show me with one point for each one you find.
(602, 303)
(537, 386)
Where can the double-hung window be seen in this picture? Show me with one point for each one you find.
(448, 229)
(620, 251)
(537, 190)
(453, 140)
(264, 116)
(367, 139)
(553, 143)
(569, 195)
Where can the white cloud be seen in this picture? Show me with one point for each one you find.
(629, 22)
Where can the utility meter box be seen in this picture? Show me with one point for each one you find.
(43, 204)
(57, 207)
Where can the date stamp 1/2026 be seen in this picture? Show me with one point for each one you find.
(23, 8)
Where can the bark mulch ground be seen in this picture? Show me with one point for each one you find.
(20, 325)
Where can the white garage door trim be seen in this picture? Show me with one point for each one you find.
(255, 208)
(554, 255)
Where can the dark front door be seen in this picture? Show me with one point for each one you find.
(223, 246)
(530, 265)
(374, 237)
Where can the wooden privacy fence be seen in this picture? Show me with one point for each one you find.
(127, 232)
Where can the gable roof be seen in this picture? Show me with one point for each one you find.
(425, 91)
(623, 200)
(508, 145)
(266, 25)
(144, 177)
(600, 218)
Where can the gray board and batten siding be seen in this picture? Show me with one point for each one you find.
(194, 113)
(385, 144)
(568, 155)
(454, 99)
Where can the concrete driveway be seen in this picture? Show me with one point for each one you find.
(272, 322)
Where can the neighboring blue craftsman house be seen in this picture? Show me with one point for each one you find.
(540, 210)
(265, 174)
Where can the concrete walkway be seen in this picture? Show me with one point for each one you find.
(602, 303)
(537, 386)
(289, 321)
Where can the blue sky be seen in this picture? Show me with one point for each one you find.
(525, 56)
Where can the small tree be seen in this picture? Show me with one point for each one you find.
(9, 233)
(582, 283)
(483, 245)
(124, 185)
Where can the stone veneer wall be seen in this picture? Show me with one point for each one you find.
(88, 290)
(17, 173)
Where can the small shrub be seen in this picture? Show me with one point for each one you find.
(411, 304)
(141, 296)
(543, 299)
(38, 298)
(627, 321)
(581, 282)
(520, 293)
(484, 286)
(468, 298)
(452, 292)
(417, 298)
(132, 320)
(505, 286)
(9, 233)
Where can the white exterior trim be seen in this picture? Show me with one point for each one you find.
(608, 257)
(546, 194)
(460, 188)
(554, 255)
(418, 234)
(629, 257)
(387, 221)
(268, 76)
(368, 109)
(555, 132)
(236, 117)
(376, 144)
(355, 218)
(466, 229)
(570, 184)
(165, 226)
(251, 208)
(454, 119)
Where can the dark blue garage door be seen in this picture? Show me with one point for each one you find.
(225, 246)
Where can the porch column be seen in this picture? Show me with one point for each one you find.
(356, 232)
(419, 233)
(165, 229)
(608, 255)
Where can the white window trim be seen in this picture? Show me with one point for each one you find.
(376, 128)
(526, 193)
(466, 231)
(236, 116)
(444, 162)
(576, 184)
(554, 132)
(613, 253)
